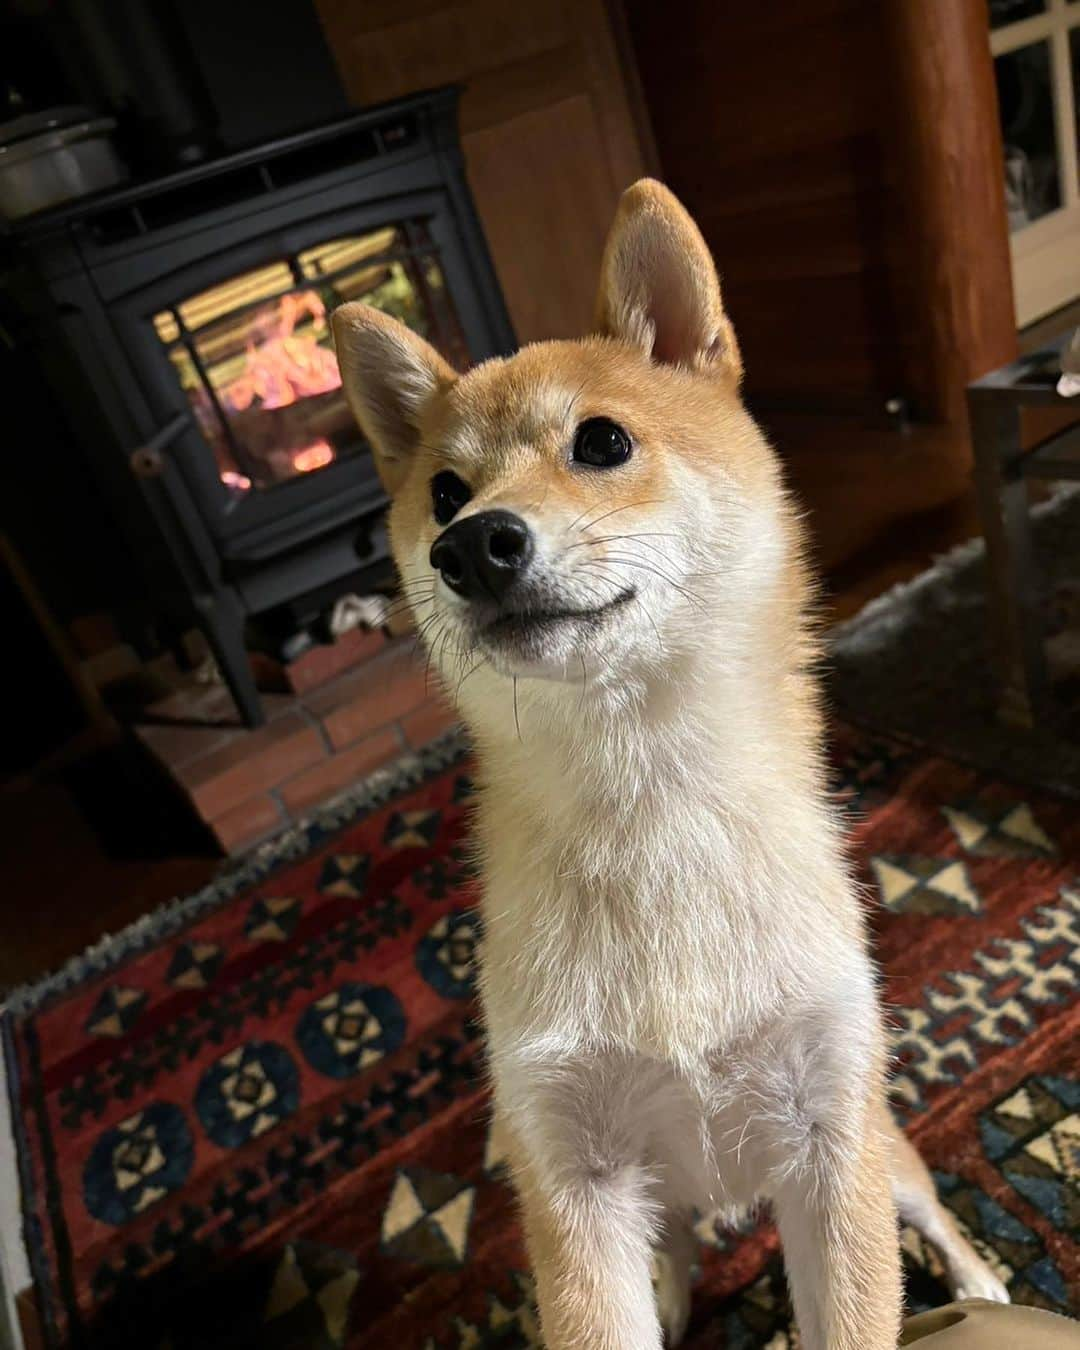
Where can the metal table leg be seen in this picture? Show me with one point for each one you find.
(1014, 591)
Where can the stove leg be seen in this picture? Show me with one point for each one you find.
(223, 623)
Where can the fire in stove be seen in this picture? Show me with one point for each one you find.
(254, 354)
(274, 396)
(273, 387)
(314, 456)
(281, 364)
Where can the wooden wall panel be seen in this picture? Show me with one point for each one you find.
(949, 157)
(768, 124)
(548, 258)
(548, 131)
(844, 163)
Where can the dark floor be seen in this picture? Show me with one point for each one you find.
(93, 845)
(66, 882)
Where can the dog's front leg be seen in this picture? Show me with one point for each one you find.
(589, 1241)
(841, 1251)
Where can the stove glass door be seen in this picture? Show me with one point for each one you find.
(255, 360)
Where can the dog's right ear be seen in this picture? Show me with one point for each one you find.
(389, 374)
(658, 285)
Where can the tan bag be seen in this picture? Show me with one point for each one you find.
(977, 1324)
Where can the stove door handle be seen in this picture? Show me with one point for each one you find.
(148, 460)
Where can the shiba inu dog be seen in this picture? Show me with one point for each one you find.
(599, 552)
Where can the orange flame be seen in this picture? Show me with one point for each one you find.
(283, 366)
(314, 456)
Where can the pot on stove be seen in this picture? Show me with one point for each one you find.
(55, 156)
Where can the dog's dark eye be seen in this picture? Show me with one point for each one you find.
(448, 495)
(601, 443)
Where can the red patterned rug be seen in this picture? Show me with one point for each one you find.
(290, 1061)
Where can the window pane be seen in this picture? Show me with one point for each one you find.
(1012, 11)
(1025, 97)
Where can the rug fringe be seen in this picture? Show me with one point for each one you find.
(846, 632)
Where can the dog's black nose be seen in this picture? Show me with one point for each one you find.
(483, 555)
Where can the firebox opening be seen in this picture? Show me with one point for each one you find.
(254, 354)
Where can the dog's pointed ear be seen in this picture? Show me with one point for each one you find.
(658, 285)
(389, 374)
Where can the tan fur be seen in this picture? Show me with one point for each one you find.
(681, 1010)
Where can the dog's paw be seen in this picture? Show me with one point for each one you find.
(979, 1281)
(672, 1284)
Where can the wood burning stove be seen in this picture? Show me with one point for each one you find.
(184, 322)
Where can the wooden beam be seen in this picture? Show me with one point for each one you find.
(947, 143)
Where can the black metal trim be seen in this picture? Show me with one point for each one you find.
(429, 105)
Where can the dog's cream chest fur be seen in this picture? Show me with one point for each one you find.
(636, 908)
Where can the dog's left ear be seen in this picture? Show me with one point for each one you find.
(658, 285)
(389, 375)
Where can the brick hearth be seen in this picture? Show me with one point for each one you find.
(332, 716)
